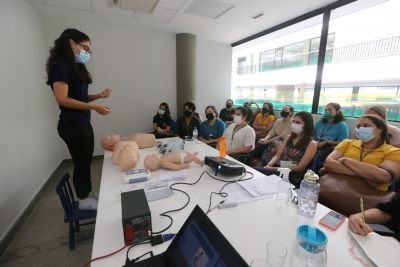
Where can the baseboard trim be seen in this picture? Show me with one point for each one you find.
(22, 218)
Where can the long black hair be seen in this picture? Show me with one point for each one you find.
(167, 112)
(62, 51)
(308, 130)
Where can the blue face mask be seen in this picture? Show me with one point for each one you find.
(365, 134)
(161, 112)
(83, 57)
(328, 115)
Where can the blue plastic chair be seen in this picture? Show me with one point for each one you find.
(72, 212)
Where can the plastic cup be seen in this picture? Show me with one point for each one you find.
(276, 254)
(259, 263)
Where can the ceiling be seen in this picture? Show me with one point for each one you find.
(172, 17)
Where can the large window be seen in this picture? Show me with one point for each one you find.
(314, 49)
(282, 74)
(361, 63)
(364, 58)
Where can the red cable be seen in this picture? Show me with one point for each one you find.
(102, 257)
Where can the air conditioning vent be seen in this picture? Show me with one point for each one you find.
(256, 16)
(144, 6)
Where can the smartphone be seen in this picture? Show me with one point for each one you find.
(332, 220)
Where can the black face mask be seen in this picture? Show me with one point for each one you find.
(228, 106)
(264, 110)
(187, 113)
(284, 114)
(210, 116)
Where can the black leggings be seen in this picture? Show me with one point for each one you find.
(79, 138)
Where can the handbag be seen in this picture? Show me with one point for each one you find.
(342, 193)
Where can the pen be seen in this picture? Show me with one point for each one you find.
(362, 210)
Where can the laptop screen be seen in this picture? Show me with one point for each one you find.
(199, 243)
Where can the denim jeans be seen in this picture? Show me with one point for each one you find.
(79, 138)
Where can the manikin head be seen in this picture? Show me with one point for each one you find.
(152, 162)
(108, 141)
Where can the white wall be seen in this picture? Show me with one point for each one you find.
(139, 66)
(29, 150)
(213, 75)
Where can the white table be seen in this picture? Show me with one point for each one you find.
(248, 227)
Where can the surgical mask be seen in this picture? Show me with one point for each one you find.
(284, 114)
(265, 110)
(365, 134)
(83, 57)
(297, 128)
(237, 119)
(161, 112)
(228, 106)
(187, 113)
(210, 116)
(328, 115)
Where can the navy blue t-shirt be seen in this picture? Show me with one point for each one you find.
(162, 122)
(61, 71)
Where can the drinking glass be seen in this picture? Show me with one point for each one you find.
(259, 263)
(276, 254)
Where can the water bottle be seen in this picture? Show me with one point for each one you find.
(195, 135)
(309, 248)
(222, 147)
(284, 193)
(308, 194)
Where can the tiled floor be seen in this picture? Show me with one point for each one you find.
(43, 239)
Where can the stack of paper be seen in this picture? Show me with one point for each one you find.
(168, 175)
(253, 189)
(379, 250)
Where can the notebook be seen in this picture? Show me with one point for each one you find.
(379, 250)
(198, 243)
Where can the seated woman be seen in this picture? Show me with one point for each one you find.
(384, 213)
(394, 131)
(240, 137)
(184, 126)
(162, 122)
(330, 130)
(263, 122)
(370, 157)
(212, 129)
(298, 147)
(281, 129)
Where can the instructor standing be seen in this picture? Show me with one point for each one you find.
(69, 80)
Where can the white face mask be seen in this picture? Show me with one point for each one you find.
(297, 128)
(237, 119)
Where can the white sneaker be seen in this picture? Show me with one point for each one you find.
(88, 204)
(94, 195)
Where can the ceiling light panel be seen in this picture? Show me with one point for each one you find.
(73, 4)
(104, 7)
(209, 8)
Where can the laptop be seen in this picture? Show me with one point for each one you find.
(198, 243)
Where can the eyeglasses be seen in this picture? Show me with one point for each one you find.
(85, 47)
